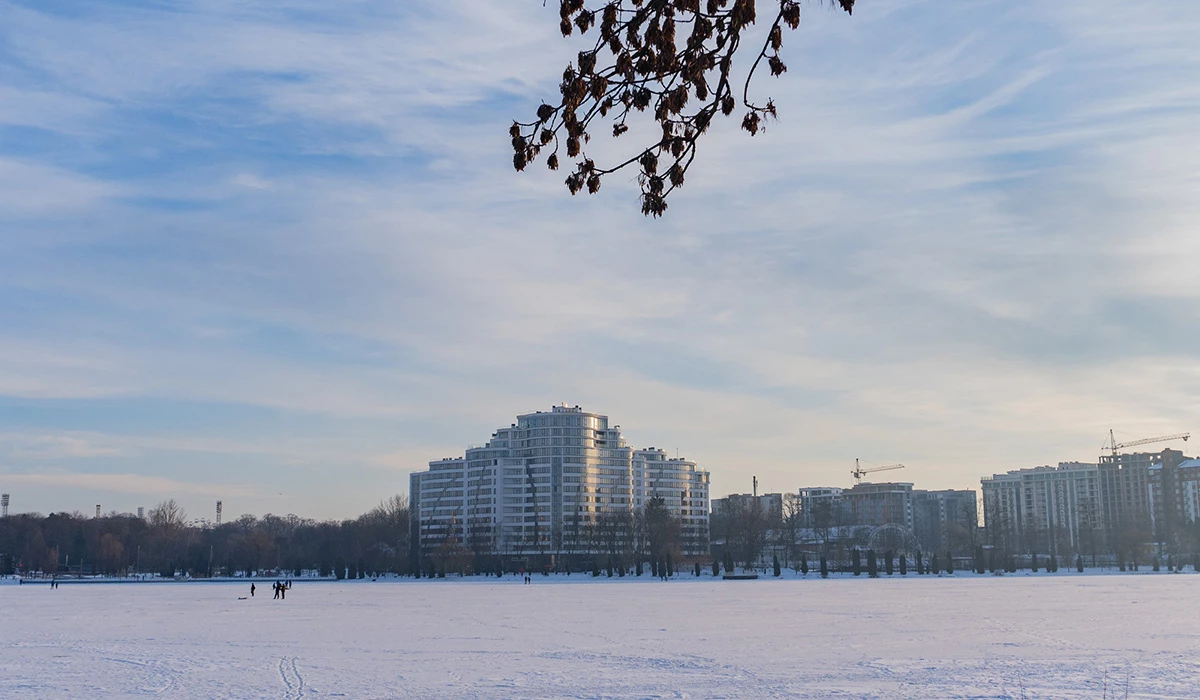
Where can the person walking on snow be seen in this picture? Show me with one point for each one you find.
(252, 590)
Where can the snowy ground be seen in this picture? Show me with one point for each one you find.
(1135, 636)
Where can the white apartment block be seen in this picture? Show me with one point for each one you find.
(1032, 503)
(541, 484)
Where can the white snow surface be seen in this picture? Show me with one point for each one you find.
(1135, 636)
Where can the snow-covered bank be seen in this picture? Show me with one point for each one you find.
(972, 636)
(584, 577)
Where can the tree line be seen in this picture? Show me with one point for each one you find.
(746, 534)
(166, 543)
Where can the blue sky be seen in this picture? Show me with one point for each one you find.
(275, 253)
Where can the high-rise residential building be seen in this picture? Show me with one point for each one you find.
(683, 489)
(938, 515)
(821, 506)
(879, 504)
(547, 483)
(1045, 509)
(1173, 495)
(1125, 492)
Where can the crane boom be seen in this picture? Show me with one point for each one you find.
(858, 472)
(1115, 446)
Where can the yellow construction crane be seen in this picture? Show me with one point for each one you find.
(1113, 445)
(859, 472)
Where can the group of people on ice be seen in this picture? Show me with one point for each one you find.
(280, 588)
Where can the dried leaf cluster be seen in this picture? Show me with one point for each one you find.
(671, 58)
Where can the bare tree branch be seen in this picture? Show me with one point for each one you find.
(636, 65)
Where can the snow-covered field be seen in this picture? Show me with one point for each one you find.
(1135, 636)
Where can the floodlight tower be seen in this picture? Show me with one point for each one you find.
(218, 512)
(3, 505)
(97, 510)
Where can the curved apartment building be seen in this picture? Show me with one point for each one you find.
(548, 483)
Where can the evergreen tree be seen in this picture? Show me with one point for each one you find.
(804, 564)
(595, 569)
(670, 566)
(716, 568)
(697, 572)
(949, 563)
(903, 565)
(856, 562)
(353, 571)
(920, 564)
(872, 564)
(775, 562)
(1154, 566)
(1053, 563)
(729, 568)
(1079, 563)
(888, 564)
(1121, 564)
(339, 568)
(979, 559)
(637, 568)
(1033, 562)
(824, 567)
(933, 564)
(654, 568)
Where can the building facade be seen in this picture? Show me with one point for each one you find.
(941, 518)
(820, 506)
(1173, 496)
(769, 505)
(1045, 509)
(546, 484)
(879, 504)
(1125, 493)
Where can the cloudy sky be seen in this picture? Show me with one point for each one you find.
(275, 253)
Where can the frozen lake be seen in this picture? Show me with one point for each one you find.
(1010, 637)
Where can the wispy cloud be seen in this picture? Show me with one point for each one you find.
(284, 241)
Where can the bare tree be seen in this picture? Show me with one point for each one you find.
(655, 55)
(824, 520)
(169, 523)
(790, 531)
(167, 516)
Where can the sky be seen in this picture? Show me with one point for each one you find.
(275, 253)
